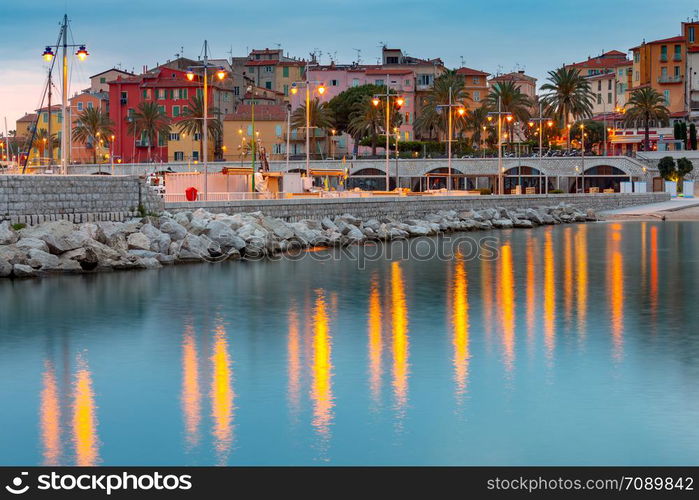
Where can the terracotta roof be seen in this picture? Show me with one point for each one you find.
(389, 71)
(471, 72)
(112, 69)
(46, 108)
(693, 50)
(29, 117)
(270, 112)
(513, 77)
(679, 38)
(262, 62)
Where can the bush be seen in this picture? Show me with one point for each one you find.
(556, 191)
(18, 226)
(485, 191)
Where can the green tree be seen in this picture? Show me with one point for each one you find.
(477, 123)
(320, 117)
(369, 120)
(683, 134)
(594, 132)
(568, 95)
(512, 101)
(42, 141)
(148, 122)
(646, 105)
(677, 131)
(431, 118)
(193, 122)
(92, 124)
(344, 104)
(692, 136)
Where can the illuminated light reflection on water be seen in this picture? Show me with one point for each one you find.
(577, 345)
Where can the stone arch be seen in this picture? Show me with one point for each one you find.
(603, 176)
(435, 181)
(369, 179)
(524, 176)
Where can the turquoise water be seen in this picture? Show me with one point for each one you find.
(576, 345)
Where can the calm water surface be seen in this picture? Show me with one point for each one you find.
(578, 345)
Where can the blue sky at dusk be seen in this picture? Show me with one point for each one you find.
(496, 35)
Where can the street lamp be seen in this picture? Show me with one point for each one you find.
(398, 101)
(500, 113)
(221, 74)
(49, 54)
(320, 88)
(549, 123)
(461, 111)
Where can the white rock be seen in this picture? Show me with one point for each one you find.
(8, 236)
(138, 241)
(27, 243)
(23, 271)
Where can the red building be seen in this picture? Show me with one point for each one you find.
(173, 92)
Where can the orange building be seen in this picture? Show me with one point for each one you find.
(476, 84)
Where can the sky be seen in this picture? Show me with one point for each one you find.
(494, 35)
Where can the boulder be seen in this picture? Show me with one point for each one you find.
(28, 243)
(223, 235)
(69, 265)
(191, 248)
(182, 218)
(13, 254)
(5, 268)
(23, 271)
(502, 223)
(355, 235)
(373, 224)
(418, 230)
(175, 230)
(85, 257)
(159, 241)
(8, 236)
(138, 241)
(38, 259)
(524, 223)
(60, 236)
(278, 227)
(150, 263)
(327, 223)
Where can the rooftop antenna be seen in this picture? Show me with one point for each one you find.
(463, 61)
(359, 55)
(279, 45)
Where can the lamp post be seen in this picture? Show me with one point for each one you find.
(48, 56)
(396, 131)
(549, 123)
(288, 133)
(320, 87)
(509, 118)
(221, 74)
(461, 110)
(398, 101)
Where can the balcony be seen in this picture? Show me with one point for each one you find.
(694, 105)
(663, 57)
(142, 144)
(670, 79)
(677, 57)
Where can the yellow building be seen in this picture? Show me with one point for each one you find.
(270, 69)
(269, 132)
(183, 147)
(39, 121)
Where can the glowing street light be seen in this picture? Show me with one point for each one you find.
(82, 53)
(48, 54)
(320, 88)
(399, 102)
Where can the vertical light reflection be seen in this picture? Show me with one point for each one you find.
(653, 270)
(549, 295)
(531, 287)
(487, 294)
(191, 395)
(294, 361)
(615, 286)
(84, 419)
(50, 418)
(507, 305)
(568, 273)
(644, 254)
(375, 341)
(222, 395)
(581, 277)
(321, 392)
(460, 324)
(400, 344)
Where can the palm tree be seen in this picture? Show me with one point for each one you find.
(568, 95)
(365, 121)
(475, 121)
(644, 105)
(193, 121)
(91, 124)
(320, 116)
(431, 118)
(41, 142)
(148, 122)
(512, 101)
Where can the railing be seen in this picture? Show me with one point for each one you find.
(670, 79)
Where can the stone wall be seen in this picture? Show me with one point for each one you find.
(32, 199)
(404, 207)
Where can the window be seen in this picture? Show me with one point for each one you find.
(124, 96)
(476, 80)
(286, 89)
(174, 136)
(663, 53)
(89, 105)
(333, 83)
(663, 74)
(637, 76)
(678, 53)
(197, 137)
(609, 98)
(666, 94)
(355, 82)
(621, 72)
(183, 93)
(392, 60)
(179, 155)
(599, 98)
(144, 92)
(200, 93)
(162, 109)
(45, 117)
(609, 85)
(268, 69)
(236, 90)
(599, 86)
(80, 106)
(195, 155)
(378, 82)
(424, 79)
(477, 96)
(184, 110)
(268, 85)
(636, 57)
(278, 148)
(677, 72)
(103, 80)
(690, 33)
(249, 131)
(285, 71)
(407, 83)
(278, 130)
(175, 111)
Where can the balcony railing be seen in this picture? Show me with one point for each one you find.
(694, 105)
(670, 79)
(663, 57)
(677, 57)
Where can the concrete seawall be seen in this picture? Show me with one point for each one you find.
(32, 199)
(402, 207)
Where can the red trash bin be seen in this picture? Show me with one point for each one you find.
(191, 194)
